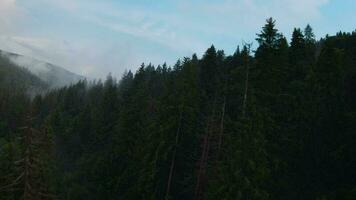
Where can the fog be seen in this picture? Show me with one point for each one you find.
(54, 76)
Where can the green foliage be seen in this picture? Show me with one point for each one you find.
(279, 124)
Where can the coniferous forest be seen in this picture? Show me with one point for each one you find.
(276, 122)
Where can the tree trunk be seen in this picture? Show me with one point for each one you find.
(205, 154)
(246, 90)
(174, 155)
(221, 125)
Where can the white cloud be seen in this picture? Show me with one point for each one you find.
(186, 26)
(249, 13)
(136, 21)
(90, 59)
(7, 6)
(40, 48)
(10, 16)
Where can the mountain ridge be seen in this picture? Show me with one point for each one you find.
(55, 76)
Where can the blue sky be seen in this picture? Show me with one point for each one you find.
(95, 37)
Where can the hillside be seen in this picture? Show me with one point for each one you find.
(54, 76)
(15, 78)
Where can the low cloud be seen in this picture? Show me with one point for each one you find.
(176, 29)
(10, 17)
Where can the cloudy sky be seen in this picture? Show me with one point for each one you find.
(95, 37)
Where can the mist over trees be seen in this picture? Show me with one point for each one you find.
(277, 123)
(53, 76)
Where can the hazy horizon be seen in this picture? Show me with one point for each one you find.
(94, 38)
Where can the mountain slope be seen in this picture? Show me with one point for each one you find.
(54, 76)
(15, 78)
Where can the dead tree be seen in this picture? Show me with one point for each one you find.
(203, 162)
(178, 133)
(247, 64)
(30, 166)
(215, 129)
(221, 131)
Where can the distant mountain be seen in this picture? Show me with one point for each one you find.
(54, 76)
(18, 79)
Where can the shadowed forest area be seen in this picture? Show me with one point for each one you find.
(275, 123)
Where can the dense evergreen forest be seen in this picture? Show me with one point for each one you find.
(275, 123)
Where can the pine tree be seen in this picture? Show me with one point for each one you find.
(268, 38)
(297, 54)
(309, 35)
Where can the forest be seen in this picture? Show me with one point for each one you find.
(274, 122)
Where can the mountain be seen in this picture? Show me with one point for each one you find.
(15, 78)
(54, 76)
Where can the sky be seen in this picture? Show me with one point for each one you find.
(97, 37)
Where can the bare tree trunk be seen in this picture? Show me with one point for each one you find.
(221, 126)
(174, 155)
(201, 171)
(246, 85)
(28, 164)
(205, 154)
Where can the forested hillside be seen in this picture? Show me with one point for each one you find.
(276, 123)
(15, 78)
(53, 76)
